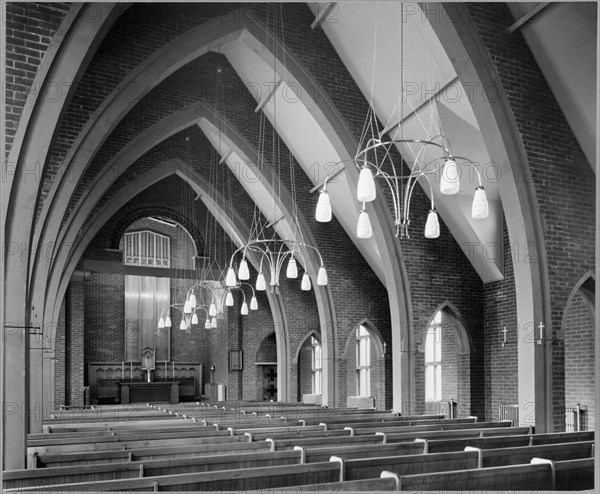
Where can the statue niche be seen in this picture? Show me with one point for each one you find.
(148, 363)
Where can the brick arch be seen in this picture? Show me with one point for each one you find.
(156, 210)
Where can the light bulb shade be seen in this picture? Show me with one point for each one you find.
(365, 191)
(305, 282)
(244, 272)
(161, 323)
(253, 303)
(194, 318)
(229, 299)
(212, 310)
(432, 226)
(187, 308)
(480, 208)
(261, 285)
(192, 300)
(230, 277)
(182, 324)
(167, 321)
(450, 181)
(292, 269)
(244, 310)
(323, 213)
(363, 228)
(207, 323)
(322, 276)
(213, 323)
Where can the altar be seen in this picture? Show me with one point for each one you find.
(149, 392)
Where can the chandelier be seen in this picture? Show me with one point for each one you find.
(375, 159)
(272, 253)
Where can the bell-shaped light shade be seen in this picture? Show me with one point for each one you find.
(207, 323)
(187, 308)
(182, 324)
(212, 310)
(253, 303)
(322, 276)
(229, 299)
(261, 285)
(244, 310)
(480, 208)
(323, 213)
(292, 269)
(167, 321)
(194, 318)
(432, 226)
(244, 272)
(450, 182)
(161, 323)
(192, 300)
(213, 323)
(363, 228)
(305, 286)
(365, 191)
(230, 277)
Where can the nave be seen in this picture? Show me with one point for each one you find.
(267, 446)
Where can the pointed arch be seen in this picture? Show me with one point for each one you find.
(462, 333)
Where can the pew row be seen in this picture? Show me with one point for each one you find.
(222, 480)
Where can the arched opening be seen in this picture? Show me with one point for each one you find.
(309, 363)
(578, 337)
(444, 364)
(266, 369)
(365, 367)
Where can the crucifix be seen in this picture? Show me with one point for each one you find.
(504, 331)
(541, 328)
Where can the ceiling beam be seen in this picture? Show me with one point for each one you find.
(323, 14)
(528, 16)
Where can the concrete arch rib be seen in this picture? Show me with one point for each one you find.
(67, 55)
(229, 220)
(462, 43)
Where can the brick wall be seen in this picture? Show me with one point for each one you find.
(74, 342)
(563, 179)
(501, 378)
(30, 28)
(305, 369)
(59, 354)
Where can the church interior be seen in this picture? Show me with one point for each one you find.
(297, 222)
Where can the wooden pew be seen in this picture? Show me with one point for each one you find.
(225, 437)
(290, 443)
(562, 437)
(511, 478)
(388, 483)
(514, 456)
(316, 454)
(114, 471)
(392, 428)
(366, 468)
(299, 434)
(574, 474)
(222, 480)
(459, 444)
(451, 434)
(100, 457)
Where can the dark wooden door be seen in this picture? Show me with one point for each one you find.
(269, 382)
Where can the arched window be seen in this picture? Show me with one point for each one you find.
(146, 248)
(363, 362)
(433, 360)
(317, 366)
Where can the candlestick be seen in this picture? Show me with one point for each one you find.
(165, 370)
(131, 371)
(504, 340)
(122, 370)
(173, 371)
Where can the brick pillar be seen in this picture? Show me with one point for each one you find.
(74, 341)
